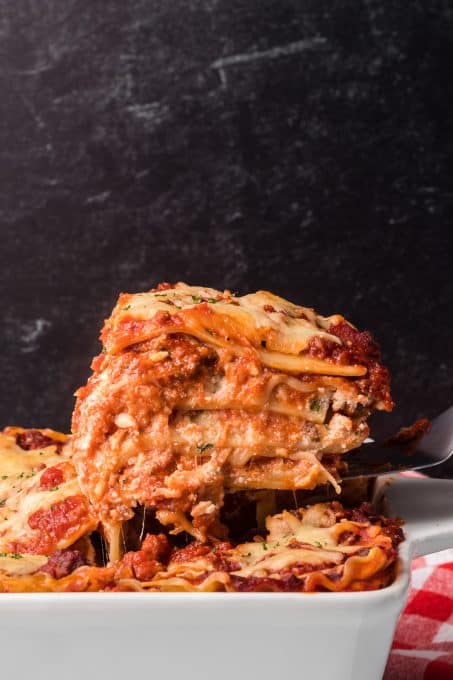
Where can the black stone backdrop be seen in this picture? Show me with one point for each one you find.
(303, 146)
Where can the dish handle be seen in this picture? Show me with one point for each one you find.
(425, 505)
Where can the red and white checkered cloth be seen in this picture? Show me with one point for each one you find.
(423, 643)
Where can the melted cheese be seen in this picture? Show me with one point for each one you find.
(21, 493)
(258, 320)
(263, 557)
(21, 565)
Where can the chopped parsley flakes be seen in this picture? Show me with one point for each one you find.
(14, 556)
(315, 404)
(197, 299)
(204, 447)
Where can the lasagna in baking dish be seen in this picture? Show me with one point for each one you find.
(317, 549)
(199, 393)
(208, 419)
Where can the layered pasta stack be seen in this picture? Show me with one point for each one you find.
(201, 406)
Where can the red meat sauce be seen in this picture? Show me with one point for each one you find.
(389, 527)
(358, 347)
(411, 435)
(62, 519)
(143, 564)
(63, 562)
(289, 582)
(51, 478)
(259, 584)
(34, 439)
(156, 553)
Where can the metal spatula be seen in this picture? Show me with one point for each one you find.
(434, 448)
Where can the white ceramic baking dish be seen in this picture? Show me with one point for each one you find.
(325, 636)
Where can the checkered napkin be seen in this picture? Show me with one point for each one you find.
(423, 644)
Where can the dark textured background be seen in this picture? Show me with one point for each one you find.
(304, 146)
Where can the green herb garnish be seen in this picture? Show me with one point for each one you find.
(202, 447)
(15, 556)
(315, 404)
(126, 308)
(264, 544)
(318, 544)
(4, 476)
(197, 299)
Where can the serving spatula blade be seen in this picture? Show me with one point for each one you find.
(377, 458)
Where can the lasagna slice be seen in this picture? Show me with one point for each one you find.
(198, 393)
(42, 509)
(320, 548)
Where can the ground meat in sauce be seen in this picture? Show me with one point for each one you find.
(63, 562)
(256, 584)
(358, 347)
(389, 527)
(143, 564)
(157, 547)
(412, 434)
(34, 439)
(190, 552)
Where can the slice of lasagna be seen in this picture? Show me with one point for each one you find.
(199, 393)
(42, 509)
